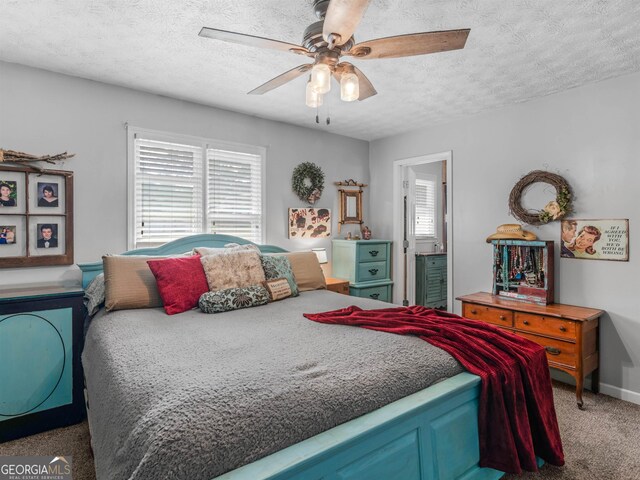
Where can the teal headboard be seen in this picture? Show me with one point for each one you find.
(182, 245)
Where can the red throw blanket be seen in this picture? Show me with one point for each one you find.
(517, 419)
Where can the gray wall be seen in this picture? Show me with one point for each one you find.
(591, 136)
(44, 112)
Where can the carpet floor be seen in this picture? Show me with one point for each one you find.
(601, 442)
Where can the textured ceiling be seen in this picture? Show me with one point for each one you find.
(517, 50)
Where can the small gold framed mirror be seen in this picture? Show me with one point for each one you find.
(350, 204)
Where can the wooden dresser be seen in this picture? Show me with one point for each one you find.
(568, 333)
(338, 285)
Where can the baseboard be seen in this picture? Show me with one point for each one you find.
(621, 393)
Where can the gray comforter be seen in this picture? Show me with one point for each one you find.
(192, 396)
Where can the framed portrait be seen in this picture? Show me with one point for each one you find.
(12, 192)
(46, 194)
(13, 238)
(309, 222)
(46, 235)
(36, 217)
(591, 239)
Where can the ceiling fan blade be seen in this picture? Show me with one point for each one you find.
(409, 45)
(342, 19)
(251, 40)
(281, 79)
(366, 87)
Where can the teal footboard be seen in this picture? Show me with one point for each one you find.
(432, 434)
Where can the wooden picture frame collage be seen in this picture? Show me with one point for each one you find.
(36, 217)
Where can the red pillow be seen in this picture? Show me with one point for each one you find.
(180, 281)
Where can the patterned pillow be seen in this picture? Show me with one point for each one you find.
(233, 299)
(94, 295)
(237, 269)
(278, 266)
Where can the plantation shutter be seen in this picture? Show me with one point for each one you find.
(425, 208)
(234, 200)
(168, 191)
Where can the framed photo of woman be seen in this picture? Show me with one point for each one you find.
(46, 194)
(13, 195)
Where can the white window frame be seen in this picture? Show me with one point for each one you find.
(434, 180)
(201, 142)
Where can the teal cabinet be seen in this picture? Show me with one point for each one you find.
(40, 372)
(431, 280)
(366, 264)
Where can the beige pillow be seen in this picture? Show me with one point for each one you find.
(234, 269)
(306, 270)
(129, 283)
(229, 247)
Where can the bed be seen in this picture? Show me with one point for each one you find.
(263, 393)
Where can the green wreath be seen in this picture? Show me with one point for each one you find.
(307, 191)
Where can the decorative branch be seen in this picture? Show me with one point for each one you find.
(21, 157)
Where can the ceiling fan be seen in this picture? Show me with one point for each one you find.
(330, 39)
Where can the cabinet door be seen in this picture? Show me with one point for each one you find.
(36, 352)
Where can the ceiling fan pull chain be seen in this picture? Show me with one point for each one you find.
(328, 120)
(317, 119)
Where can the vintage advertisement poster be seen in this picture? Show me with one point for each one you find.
(595, 239)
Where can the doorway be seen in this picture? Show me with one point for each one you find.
(423, 233)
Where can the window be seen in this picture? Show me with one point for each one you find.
(425, 207)
(184, 186)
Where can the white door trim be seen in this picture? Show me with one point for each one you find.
(398, 216)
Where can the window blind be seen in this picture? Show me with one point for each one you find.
(234, 200)
(168, 191)
(425, 222)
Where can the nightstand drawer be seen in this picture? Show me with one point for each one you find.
(497, 316)
(558, 351)
(382, 292)
(554, 327)
(372, 252)
(371, 271)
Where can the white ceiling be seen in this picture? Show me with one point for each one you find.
(517, 50)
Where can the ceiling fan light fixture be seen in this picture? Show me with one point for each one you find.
(313, 99)
(349, 87)
(321, 78)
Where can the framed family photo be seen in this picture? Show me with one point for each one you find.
(36, 217)
(595, 239)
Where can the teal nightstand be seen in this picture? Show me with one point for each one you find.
(367, 266)
(431, 280)
(40, 371)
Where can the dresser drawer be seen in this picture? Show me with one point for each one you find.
(497, 316)
(558, 351)
(382, 292)
(555, 327)
(370, 271)
(372, 252)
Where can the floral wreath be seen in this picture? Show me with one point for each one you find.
(308, 171)
(554, 210)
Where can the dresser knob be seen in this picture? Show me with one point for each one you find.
(474, 312)
(374, 295)
(552, 350)
(373, 253)
(373, 271)
(563, 328)
(502, 317)
(526, 322)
